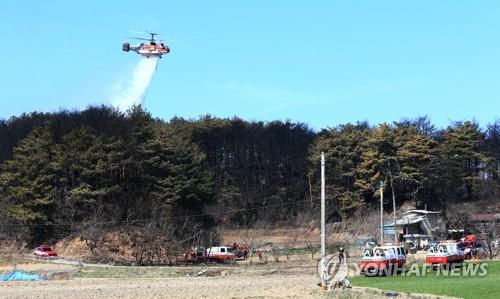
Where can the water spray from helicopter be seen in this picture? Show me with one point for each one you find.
(132, 92)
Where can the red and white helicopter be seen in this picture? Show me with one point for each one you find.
(150, 48)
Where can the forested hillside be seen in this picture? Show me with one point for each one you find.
(66, 171)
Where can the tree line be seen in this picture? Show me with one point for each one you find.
(62, 171)
(417, 163)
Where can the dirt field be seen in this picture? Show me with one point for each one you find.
(296, 279)
(286, 280)
(278, 286)
(272, 286)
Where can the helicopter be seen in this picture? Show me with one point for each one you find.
(150, 48)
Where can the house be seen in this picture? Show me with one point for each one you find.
(416, 228)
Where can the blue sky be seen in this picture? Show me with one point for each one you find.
(318, 62)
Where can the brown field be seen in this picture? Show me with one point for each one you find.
(228, 282)
(280, 280)
(296, 278)
(291, 286)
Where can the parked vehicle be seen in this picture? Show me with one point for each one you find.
(396, 255)
(44, 251)
(374, 261)
(444, 253)
(220, 254)
(471, 244)
(383, 259)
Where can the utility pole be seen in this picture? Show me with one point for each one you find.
(323, 233)
(381, 212)
(396, 242)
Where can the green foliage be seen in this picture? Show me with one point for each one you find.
(378, 159)
(343, 147)
(67, 175)
(256, 164)
(28, 181)
(463, 157)
(69, 169)
(416, 165)
(414, 162)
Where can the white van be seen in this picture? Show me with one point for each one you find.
(220, 253)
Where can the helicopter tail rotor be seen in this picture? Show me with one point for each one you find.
(126, 47)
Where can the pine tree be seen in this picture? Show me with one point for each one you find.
(463, 160)
(28, 184)
(417, 163)
(379, 161)
(343, 147)
(182, 184)
(88, 166)
(493, 149)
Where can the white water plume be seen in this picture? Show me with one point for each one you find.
(132, 92)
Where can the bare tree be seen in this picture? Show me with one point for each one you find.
(488, 231)
(312, 247)
(91, 234)
(492, 247)
(292, 240)
(249, 237)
